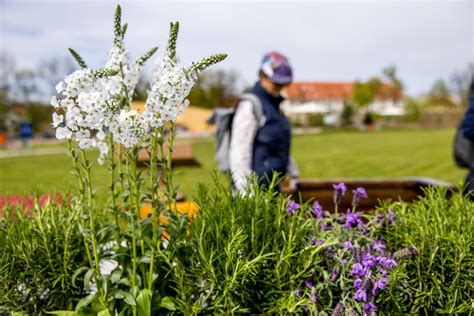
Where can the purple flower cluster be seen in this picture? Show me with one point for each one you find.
(357, 194)
(353, 220)
(292, 207)
(316, 210)
(339, 191)
(390, 217)
(369, 271)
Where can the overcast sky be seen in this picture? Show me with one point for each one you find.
(325, 40)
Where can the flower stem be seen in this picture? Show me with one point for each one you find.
(154, 204)
(112, 168)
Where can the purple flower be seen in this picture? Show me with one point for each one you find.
(357, 283)
(368, 260)
(344, 261)
(391, 217)
(348, 244)
(325, 227)
(379, 246)
(297, 292)
(370, 308)
(316, 210)
(389, 263)
(353, 219)
(359, 270)
(335, 274)
(339, 190)
(357, 194)
(379, 284)
(308, 283)
(314, 296)
(292, 207)
(314, 241)
(360, 295)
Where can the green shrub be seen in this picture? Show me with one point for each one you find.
(262, 253)
(39, 255)
(441, 279)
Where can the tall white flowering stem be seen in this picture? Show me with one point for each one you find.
(112, 187)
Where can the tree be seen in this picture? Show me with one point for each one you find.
(394, 91)
(215, 88)
(51, 71)
(440, 94)
(460, 82)
(363, 93)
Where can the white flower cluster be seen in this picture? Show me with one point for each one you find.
(171, 84)
(94, 107)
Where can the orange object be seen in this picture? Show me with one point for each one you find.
(189, 208)
(3, 139)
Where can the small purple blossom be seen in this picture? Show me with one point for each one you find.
(368, 260)
(314, 296)
(308, 283)
(388, 263)
(348, 245)
(361, 295)
(353, 219)
(378, 246)
(325, 227)
(357, 194)
(292, 207)
(379, 284)
(357, 283)
(359, 270)
(314, 241)
(344, 261)
(391, 217)
(316, 210)
(297, 292)
(339, 190)
(335, 274)
(370, 308)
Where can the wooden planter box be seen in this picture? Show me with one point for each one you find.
(378, 189)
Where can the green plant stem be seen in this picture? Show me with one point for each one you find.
(112, 168)
(132, 227)
(136, 194)
(154, 202)
(80, 179)
(169, 174)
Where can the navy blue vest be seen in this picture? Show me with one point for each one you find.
(271, 149)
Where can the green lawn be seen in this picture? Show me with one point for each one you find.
(426, 153)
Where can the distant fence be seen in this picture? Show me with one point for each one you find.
(445, 118)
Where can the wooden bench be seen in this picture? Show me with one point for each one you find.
(182, 155)
(378, 189)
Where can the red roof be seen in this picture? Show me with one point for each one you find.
(319, 91)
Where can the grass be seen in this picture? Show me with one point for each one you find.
(331, 154)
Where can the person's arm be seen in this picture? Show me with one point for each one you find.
(468, 122)
(244, 129)
(293, 172)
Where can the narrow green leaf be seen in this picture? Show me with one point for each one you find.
(168, 303)
(145, 57)
(144, 302)
(78, 58)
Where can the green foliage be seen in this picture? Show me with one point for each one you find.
(364, 93)
(440, 280)
(146, 56)
(118, 27)
(39, 254)
(248, 254)
(78, 58)
(206, 62)
(173, 37)
(104, 72)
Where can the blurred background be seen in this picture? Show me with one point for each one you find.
(380, 86)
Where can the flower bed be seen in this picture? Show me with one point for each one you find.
(259, 252)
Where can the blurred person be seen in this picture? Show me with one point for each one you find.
(467, 129)
(263, 147)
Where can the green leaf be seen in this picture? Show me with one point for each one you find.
(104, 312)
(118, 26)
(84, 302)
(145, 57)
(62, 313)
(87, 279)
(168, 303)
(115, 277)
(144, 302)
(78, 58)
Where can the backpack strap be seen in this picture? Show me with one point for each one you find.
(257, 107)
